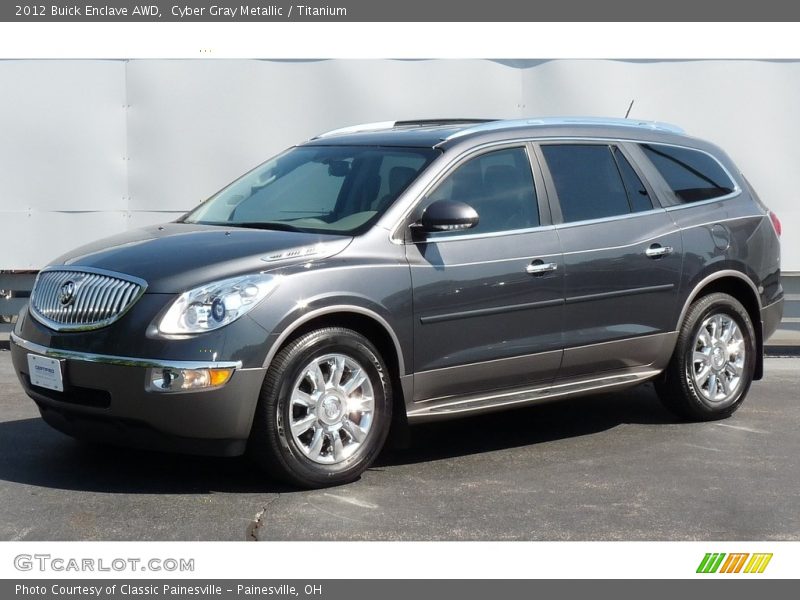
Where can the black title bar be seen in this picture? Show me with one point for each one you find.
(400, 10)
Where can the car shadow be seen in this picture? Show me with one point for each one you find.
(32, 453)
(527, 426)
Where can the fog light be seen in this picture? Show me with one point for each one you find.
(168, 379)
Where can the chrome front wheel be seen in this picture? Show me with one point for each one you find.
(331, 408)
(325, 409)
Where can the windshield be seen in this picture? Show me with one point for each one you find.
(320, 189)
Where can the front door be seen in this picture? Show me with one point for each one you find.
(488, 300)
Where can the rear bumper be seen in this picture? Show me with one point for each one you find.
(105, 399)
(771, 316)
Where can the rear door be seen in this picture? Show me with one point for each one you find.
(622, 258)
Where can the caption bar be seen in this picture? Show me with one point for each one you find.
(405, 11)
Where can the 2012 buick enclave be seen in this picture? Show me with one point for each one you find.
(411, 271)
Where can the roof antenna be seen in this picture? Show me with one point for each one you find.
(630, 106)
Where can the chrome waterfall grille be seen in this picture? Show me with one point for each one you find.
(72, 300)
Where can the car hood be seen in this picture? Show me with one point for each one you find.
(175, 257)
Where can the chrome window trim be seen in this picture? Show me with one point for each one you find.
(448, 168)
(608, 219)
(56, 326)
(733, 194)
(123, 361)
(488, 234)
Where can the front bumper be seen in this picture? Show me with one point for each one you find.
(105, 399)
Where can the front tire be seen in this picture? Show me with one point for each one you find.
(714, 360)
(324, 410)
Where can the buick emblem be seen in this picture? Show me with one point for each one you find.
(67, 294)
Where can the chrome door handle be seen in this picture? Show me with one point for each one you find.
(657, 251)
(538, 267)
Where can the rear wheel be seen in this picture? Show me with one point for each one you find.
(712, 367)
(324, 410)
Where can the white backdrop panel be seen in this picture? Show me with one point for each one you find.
(132, 138)
(194, 126)
(37, 238)
(747, 107)
(62, 135)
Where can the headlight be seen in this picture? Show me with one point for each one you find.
(216, 304)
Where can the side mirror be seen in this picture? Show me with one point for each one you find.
(447, 215)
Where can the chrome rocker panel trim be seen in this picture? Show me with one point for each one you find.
(444, 408)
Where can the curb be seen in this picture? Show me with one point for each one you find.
(781, 351)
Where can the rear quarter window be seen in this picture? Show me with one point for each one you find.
(691, 174)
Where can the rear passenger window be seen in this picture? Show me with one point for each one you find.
(594, 181)
(692, 175)
(499, 186)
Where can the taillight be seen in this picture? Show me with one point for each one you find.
(776, 222)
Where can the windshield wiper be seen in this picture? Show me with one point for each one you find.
(273, 225)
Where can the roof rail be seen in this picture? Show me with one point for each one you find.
(434, 122)
(380, 125)
(548, 121)
(357, 128)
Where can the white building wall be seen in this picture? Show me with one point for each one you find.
(89, 148)
(749, 108)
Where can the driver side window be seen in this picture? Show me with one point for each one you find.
(499, 186)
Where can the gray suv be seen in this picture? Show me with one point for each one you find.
(395, 273)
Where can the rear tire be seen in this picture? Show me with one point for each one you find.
(713, 363)
(324, 410)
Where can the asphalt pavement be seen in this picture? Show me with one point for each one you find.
(611, 467)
